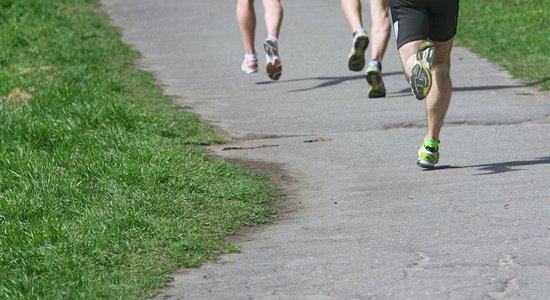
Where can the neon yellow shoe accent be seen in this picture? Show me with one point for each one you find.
(421, 76)
(356, 58)
(376, 84)
(428, 154)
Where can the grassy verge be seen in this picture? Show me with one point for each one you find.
(512, 33)
(99, 195)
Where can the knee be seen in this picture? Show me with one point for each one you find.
(441, 68)
(386, 27)
(441, 64)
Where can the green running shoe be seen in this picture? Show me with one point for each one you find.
(428, 154)
(374, 78)
(356, 58)
(421, 76)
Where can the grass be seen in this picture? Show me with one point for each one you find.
(512, 33)
(103, 191)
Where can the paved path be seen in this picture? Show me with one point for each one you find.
(361, 219)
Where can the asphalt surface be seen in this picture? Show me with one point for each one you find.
(360, 219)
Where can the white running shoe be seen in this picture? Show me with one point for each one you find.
(421, 76)
(374, 78)
(356, 57)
(273, 67)
(249, 65)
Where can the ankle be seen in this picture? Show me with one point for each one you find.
(432, 143)
(376, 63)
(250, 56)
(271, 38)
(358, 31)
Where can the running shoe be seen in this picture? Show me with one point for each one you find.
(356, 58)
(249, 65)
(273, 68)
(428, 154)
(421, 77)
(374, 78)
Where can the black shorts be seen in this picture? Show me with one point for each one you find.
(415, 20)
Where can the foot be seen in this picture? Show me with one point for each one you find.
(374, 78)
(356, 58)
(421, 77)
(250, 64)
(428, 154)
(273, 68)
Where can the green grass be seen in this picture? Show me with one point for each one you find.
(103, 191)
(512, 33)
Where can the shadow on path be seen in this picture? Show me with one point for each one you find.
(541, 81)
(326, 81)
(478, 88)
(487, 87)
(497, 168)
(499, 87)
(331, 81)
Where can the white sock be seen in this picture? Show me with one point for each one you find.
(250, 56)
(362, 30)
(271, 38)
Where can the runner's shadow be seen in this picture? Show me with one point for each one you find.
(541, 81)
(500, 87)
(326, 81)
(497, 168)
(478, 88)
(487, 87)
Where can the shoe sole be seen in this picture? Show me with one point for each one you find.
(377, 88)
(356, 59)
(421, 77)
(249, 71)
(274, 67)
(425, 164)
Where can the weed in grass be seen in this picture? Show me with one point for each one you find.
(17, 96)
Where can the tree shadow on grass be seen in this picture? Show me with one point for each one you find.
(498, 168)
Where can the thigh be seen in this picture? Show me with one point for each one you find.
(379, 7)
(443, 19)
(410, 21)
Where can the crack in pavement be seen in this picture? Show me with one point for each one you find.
(422, 124)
